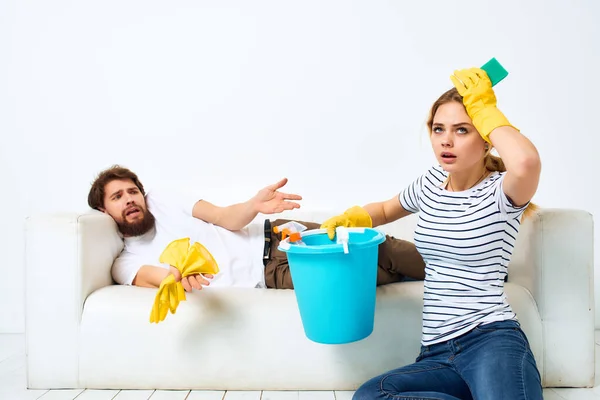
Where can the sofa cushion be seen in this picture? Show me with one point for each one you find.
(218, 332)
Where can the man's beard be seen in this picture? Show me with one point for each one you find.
(137, 228)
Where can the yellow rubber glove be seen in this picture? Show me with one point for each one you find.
(475, 87)
(189, 260)
(353, 217)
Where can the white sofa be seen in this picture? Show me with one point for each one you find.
(83, 331)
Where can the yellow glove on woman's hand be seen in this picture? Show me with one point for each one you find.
(353, 217)
(475, 87)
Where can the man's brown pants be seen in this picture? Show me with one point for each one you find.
(397, 259)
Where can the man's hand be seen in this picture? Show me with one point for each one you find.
(195, 281)
(267, 201)
(270, 200)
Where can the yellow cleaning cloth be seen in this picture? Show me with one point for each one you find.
(189, 260)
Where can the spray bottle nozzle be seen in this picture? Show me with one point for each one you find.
(291, 229)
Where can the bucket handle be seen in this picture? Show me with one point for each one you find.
(342, 235)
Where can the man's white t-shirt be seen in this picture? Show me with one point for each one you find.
(238, 253)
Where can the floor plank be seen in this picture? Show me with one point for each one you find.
(550, 394)
(279, 395)
(92, 394)
(242, 395)
(316, 395)
(343, 394)
(169, 395)
(134, 395)
(206, 395)
(576, 394)
(67, 394)
(21, 394)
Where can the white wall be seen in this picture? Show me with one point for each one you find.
(331, 94)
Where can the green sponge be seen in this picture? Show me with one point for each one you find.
(495, 71)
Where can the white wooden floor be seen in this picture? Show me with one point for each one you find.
(12, 385)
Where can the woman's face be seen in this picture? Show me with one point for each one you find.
(456, 143)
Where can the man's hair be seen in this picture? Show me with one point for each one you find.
(116, 172)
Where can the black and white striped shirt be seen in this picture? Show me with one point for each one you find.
(466, 239)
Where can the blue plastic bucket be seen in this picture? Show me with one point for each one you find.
(335, 290)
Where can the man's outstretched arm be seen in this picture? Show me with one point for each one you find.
(234, 217)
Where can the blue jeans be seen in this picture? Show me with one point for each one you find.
(493, 361)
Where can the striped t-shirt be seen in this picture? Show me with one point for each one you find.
(466, 240)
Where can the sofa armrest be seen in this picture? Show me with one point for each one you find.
(67, 257)
(554, 260)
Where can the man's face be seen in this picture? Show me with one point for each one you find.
(124, 202)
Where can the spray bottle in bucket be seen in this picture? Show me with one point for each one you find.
(291, 229)
(335, 282)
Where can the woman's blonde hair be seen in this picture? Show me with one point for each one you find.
(492, 163)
